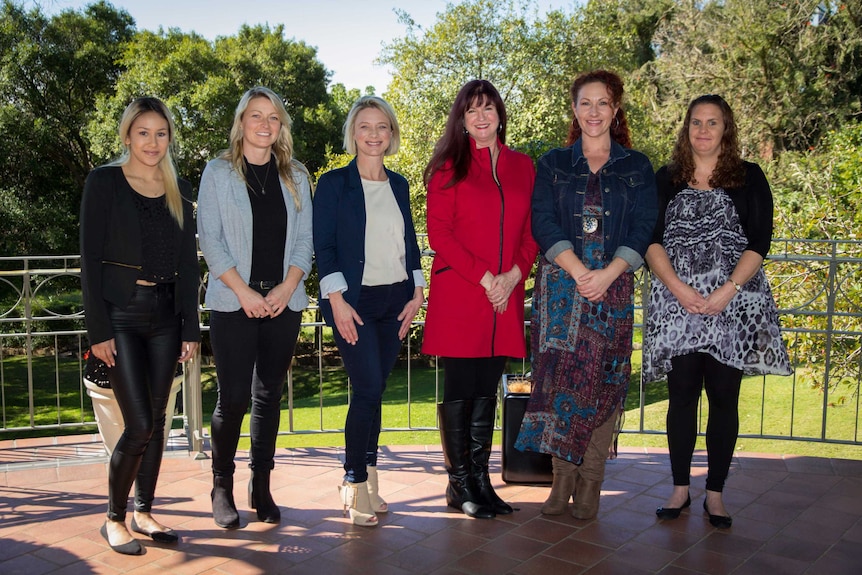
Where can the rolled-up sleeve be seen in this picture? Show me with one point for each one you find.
(546, 226)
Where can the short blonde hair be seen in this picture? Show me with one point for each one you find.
(371, 102)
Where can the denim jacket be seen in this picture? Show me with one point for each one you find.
(629, 203)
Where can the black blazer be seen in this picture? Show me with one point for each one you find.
(111, 253)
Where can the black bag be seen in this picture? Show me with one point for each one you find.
(96, 370)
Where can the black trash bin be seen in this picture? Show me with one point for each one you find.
(521, 467)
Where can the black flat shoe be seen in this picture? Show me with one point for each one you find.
(672, 512)
(133, 547)
(718, 521)
(167, 536)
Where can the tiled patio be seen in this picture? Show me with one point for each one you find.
(791, 515)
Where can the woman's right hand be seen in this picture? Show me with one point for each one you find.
(106, 351)
(690, 298)
(253, 304)
(345, 318)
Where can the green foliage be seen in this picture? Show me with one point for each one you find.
(51, 73)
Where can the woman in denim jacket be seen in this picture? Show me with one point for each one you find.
(594, 209)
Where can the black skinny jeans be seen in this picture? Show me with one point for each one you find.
(147, 337)
(252, 356)
(689, 375)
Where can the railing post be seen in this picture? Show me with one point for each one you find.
(193, 404)
(831, 288)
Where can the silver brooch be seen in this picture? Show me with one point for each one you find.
(591, 224)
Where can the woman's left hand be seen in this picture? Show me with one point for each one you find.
(717, 301)
(411, 308)
(278, 297)
(187, 350)
(502, 287)
(594, 284)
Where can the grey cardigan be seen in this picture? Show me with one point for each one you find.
(225, 232)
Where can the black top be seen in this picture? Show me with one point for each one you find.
(157, 232)
(111, 253)
(753, 203)
(269, 214)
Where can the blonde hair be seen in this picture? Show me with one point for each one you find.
(282, 149)
(377, 103)
(133, 111)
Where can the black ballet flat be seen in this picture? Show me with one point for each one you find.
(718, 521)
(167, 536)
(133, 547)
(672, 512)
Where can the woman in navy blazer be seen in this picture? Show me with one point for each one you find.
(140, 279)
(371, 284)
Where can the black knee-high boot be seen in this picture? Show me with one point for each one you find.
(461, 493)
(481, 435)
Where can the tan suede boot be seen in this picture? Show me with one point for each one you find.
(588, 485)
(562, 488)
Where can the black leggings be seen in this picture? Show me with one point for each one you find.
(471, 377)
(688, 376)
(147, 337)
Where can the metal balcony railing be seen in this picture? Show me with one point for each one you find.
(817, 283)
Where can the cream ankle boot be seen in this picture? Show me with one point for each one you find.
(377, 503)
(354, 496)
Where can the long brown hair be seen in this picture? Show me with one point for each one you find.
(138, 107)
(454, 145)
(614, 84)
(282, 149)
(729, 171)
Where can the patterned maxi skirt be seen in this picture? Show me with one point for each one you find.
(581, 362)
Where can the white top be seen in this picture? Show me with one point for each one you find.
(385, 254)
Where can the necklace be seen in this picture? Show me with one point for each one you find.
(254, 173)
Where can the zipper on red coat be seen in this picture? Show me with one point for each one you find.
(500, 258)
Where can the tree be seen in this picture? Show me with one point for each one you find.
(52, 70)
(202, 82)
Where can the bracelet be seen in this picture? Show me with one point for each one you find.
(736, 286)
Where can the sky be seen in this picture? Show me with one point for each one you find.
(348, 34)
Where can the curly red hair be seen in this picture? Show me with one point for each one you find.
(620, 126)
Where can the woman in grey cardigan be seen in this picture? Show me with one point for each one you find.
(254, 220)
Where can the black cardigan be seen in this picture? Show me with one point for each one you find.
(753, 203)
(110, 237)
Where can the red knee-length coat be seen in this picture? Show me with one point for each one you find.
(473, 227)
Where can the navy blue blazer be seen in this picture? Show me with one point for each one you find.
(339, 230)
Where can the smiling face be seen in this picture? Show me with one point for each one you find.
(594, 110)
(705, 130)
(482, 121)
(261, 125)
(148, 140)
(372, 132)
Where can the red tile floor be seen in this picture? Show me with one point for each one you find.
(791, 515)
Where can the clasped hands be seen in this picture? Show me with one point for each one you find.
(713, 304)
(272, 304)
(499, 288)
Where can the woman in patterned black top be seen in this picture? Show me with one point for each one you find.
(711, 314)
(140, 279)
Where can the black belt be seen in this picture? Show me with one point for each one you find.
(263, 284)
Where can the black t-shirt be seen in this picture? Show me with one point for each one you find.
(269, 216)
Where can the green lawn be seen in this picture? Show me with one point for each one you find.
(58, 400)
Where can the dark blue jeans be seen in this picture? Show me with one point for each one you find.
(252, 356)
(147, 337)
(368, 365)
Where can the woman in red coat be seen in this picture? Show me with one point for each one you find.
(479, 194)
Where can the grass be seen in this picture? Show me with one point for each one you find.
(784, 408)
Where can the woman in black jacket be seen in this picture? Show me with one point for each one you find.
(140, 277)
